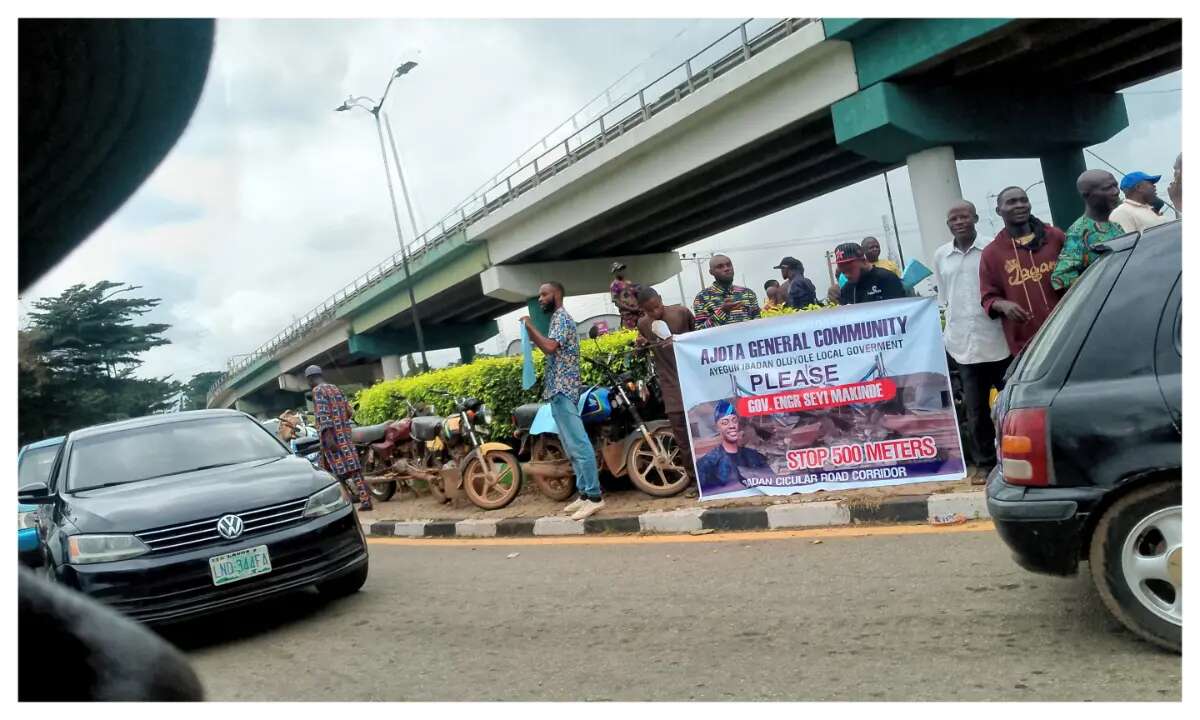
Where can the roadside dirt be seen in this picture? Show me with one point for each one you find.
(621, 499)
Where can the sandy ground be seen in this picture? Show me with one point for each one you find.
(621, 499)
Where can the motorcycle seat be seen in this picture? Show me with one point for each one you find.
(525, 414)
(426, 428)
(369, 434)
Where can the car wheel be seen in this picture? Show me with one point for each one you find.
(347, 584)
(1136, 561)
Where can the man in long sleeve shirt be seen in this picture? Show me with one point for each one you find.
(724, 303)
(974, 340)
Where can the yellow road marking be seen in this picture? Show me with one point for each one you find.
(746, 536)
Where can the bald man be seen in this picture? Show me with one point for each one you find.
(1100, 197)
(724, 303)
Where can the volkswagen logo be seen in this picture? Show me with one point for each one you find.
(230, 526)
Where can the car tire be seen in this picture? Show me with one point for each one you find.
(344, 585)
(1114, 546)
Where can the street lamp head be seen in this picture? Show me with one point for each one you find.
(403, 69)
(341, 108)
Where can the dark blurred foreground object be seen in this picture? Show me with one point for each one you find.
(98, 654)
(101, 103)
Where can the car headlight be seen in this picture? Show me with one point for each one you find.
(85, 549)
(334, 497)
(486, 412)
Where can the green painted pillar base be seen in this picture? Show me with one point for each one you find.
(541, 320)
(1061, 169)
(466, 353)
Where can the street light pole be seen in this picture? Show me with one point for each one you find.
(374, 110)
(412, 219)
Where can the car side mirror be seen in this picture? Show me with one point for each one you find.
(34, 494)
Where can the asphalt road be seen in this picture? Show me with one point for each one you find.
(910, 617)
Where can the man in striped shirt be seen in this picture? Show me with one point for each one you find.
(724, 303)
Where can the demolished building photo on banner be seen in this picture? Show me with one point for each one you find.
(835, 399)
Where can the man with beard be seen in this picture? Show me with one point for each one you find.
(679, 320)
(1015, 268)
(1100, 198)
(974, 340)
(720, 469)
(561, 387)
(724, 303)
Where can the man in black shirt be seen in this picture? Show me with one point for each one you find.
(864, 282)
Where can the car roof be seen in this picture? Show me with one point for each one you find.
(152, 420)
(48, 442)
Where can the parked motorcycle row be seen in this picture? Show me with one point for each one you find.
(624, 416)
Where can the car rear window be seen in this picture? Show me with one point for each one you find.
(35, 465)
(1078, 305)
(168, 449)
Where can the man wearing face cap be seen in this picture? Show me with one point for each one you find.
(338, 454)
(721, 468)
(1138, 212)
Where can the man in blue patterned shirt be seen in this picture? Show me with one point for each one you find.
(562, 385)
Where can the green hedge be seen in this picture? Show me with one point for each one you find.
(495, 381)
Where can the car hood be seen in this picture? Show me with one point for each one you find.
(189, 497)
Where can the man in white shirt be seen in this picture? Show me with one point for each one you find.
(1137, 212)
(975, 340)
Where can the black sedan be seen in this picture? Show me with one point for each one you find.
(172, 516)
(1090, 436)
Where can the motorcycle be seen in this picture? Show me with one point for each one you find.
(458, 454)
(387, 447)
(626, 443)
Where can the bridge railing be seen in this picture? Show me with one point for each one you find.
(735, 47)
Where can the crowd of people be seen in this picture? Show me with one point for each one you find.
(995, 294)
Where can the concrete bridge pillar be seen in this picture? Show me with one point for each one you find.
(393, 367)
(466, 353)
(1061, 170)
(935, 187)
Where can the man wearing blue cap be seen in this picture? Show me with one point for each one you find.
(1137, 212)
(720, 468)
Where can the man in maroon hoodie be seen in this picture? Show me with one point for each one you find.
(1014, 271)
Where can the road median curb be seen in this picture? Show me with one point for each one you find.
(942, 508)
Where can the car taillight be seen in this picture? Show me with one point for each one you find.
(1023, 447)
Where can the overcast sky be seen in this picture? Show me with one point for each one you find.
(270, 202)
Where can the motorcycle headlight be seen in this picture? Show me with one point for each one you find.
(334, 497)
(25, 520)
(85, 549)
(486, 412)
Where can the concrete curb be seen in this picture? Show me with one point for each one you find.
(912, 508)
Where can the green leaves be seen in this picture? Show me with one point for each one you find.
(495, 381)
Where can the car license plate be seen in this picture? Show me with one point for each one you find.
(240, 565)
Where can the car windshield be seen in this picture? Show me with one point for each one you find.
(1042, 349)
(35, 465)
(171, 448)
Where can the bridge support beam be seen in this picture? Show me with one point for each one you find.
(385, 344)
(520, 282)
(935, 187)
(929, 127)
(393, 366)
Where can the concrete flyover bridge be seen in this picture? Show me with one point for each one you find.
(771, 114)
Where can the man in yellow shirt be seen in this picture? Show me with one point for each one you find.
(872, 250)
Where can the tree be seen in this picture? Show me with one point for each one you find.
(77, 357)
(195, 391)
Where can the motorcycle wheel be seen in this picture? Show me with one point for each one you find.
(382, 491)
(437, 486)
(651, 478)
(548, 448)
(496, 489)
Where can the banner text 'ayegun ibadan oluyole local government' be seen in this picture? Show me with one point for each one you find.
(849, 397)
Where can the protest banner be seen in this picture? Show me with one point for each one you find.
(849, 397)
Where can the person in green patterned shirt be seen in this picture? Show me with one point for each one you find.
(1100, 196)
(724, 303)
